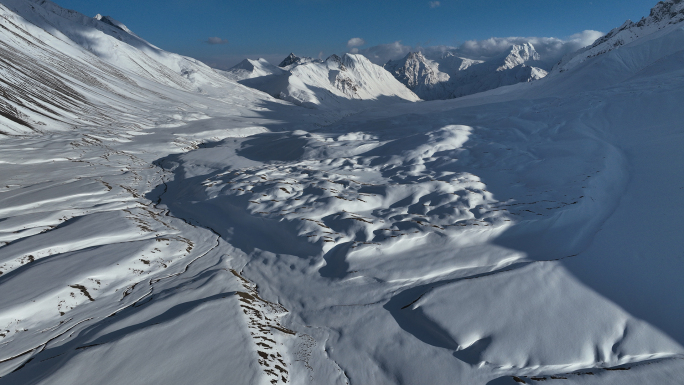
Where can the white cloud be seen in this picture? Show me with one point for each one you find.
(586, 38)
(355, 42)
(380, 54)
(216, 40)
(434, 4)
(551, 49)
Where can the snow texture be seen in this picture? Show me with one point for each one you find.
(162, 222)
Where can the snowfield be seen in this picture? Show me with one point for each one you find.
(162, 222)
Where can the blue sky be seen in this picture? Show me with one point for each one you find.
(273, 28)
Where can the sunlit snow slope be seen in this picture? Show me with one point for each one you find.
(60, 69)
(190, 229)
(339, 83)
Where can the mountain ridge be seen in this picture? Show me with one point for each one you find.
(326, 84)
(663, 15)
(449, 76)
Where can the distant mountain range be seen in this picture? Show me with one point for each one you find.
(437, 76)
(336, 82)
(448, 76)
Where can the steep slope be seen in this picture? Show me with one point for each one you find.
(103, 37)
(665, 15)
(449, 76)
(60, 68)
(420, 75)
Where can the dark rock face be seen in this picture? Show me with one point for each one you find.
(291, 59)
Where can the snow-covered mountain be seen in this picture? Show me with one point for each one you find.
(62, 68)
(521, 64)
(335, 83)
(103, 37)
(249, 69)
(449, 76)
(422, 76)
(292, 60)
(161, 223)
(664, 15)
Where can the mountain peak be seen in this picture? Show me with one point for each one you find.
(412, 58)
(415, 56)
(113, 22)
(418, 73)
(524, 51)
(663, 14)
(289, 60)
(519, 54)
(671, 10)
(293, 60)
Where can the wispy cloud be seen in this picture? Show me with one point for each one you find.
(434, 4)
(216, 40)
(380, 54)
(551, 49)
(355, 42)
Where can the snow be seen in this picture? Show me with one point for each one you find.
(293, 60)
(249, 69)
(448, 76)
(337, 83)
(162, 222)
(664, 15)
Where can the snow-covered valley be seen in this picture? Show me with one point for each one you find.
(162, 222)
